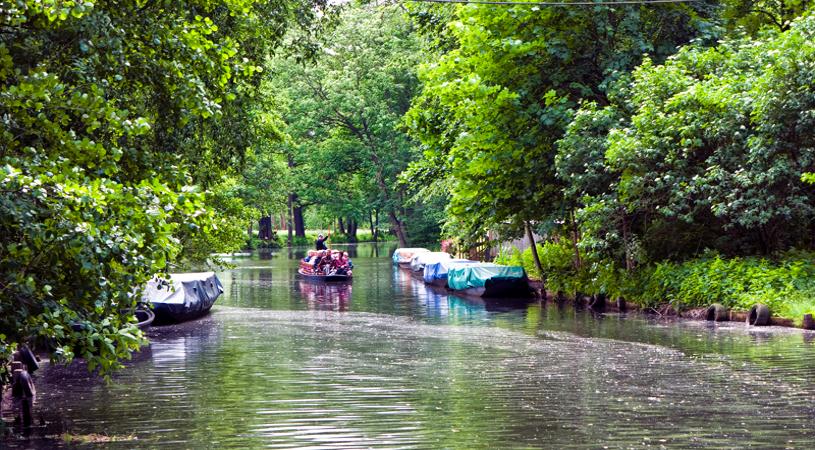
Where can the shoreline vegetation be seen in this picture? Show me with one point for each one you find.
(784, 282)
(280, 240)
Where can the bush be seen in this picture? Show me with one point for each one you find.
(785, 283)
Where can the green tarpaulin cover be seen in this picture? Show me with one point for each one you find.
(466, 276)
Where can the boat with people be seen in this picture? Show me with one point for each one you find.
(488, 280)
(326, 266)
(403, 256)
(182, 296)
(420, 260)
(435, 273)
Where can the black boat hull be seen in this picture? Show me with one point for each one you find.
(184, 297)
(500, 287)
(324, 278)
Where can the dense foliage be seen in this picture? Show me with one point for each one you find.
(493, 107)
(343, 114)
(116, 118)
(632, 150)
(713, 149)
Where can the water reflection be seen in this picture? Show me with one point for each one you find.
(390, 362)
(325, 296)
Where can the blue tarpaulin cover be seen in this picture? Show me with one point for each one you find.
(466, 276)
(420, 260)
(438, 270)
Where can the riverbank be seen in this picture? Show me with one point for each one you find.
(601, 304)
(784, 283)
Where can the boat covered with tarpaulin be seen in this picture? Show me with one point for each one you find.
(435, 273)
(420, 260)
(402, 256)
(184, 296)
(488, 280)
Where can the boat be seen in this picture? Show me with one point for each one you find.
(307, 272)
(420, 260)
(182, 297)
(435, 273)
(402, 256)
(488, 280)
(331, 277)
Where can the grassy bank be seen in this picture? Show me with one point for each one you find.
(785, 282)
(311, 237)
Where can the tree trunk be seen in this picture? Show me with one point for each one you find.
(397, 228)
(352, 230)
(265, 228)
(289, 214)
(376, 222)
(294, 206)
(250, 231)
(299, 224)
(373, 227)
(342, 226)
(396, 224)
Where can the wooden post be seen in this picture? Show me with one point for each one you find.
(536, 257)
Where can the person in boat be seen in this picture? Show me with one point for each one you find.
(343, 264)
(318, 259)
(321, 241)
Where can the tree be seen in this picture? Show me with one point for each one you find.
(494, 104)
(348, 107)
(112, 113)
(707, 150)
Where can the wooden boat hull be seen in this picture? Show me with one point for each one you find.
(324, 278)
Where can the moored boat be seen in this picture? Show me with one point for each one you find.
(420, 260)
(402, 256)
(488, 280)
(435, 273)
(184, 296)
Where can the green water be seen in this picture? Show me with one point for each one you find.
(388, 363)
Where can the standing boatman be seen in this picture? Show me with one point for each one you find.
(321, 241)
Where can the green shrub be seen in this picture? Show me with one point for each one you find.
(785, 283)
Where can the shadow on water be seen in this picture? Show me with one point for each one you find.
(389, 362)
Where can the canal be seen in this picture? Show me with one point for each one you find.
(389, 363)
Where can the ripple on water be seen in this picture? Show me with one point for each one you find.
(320, 379)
